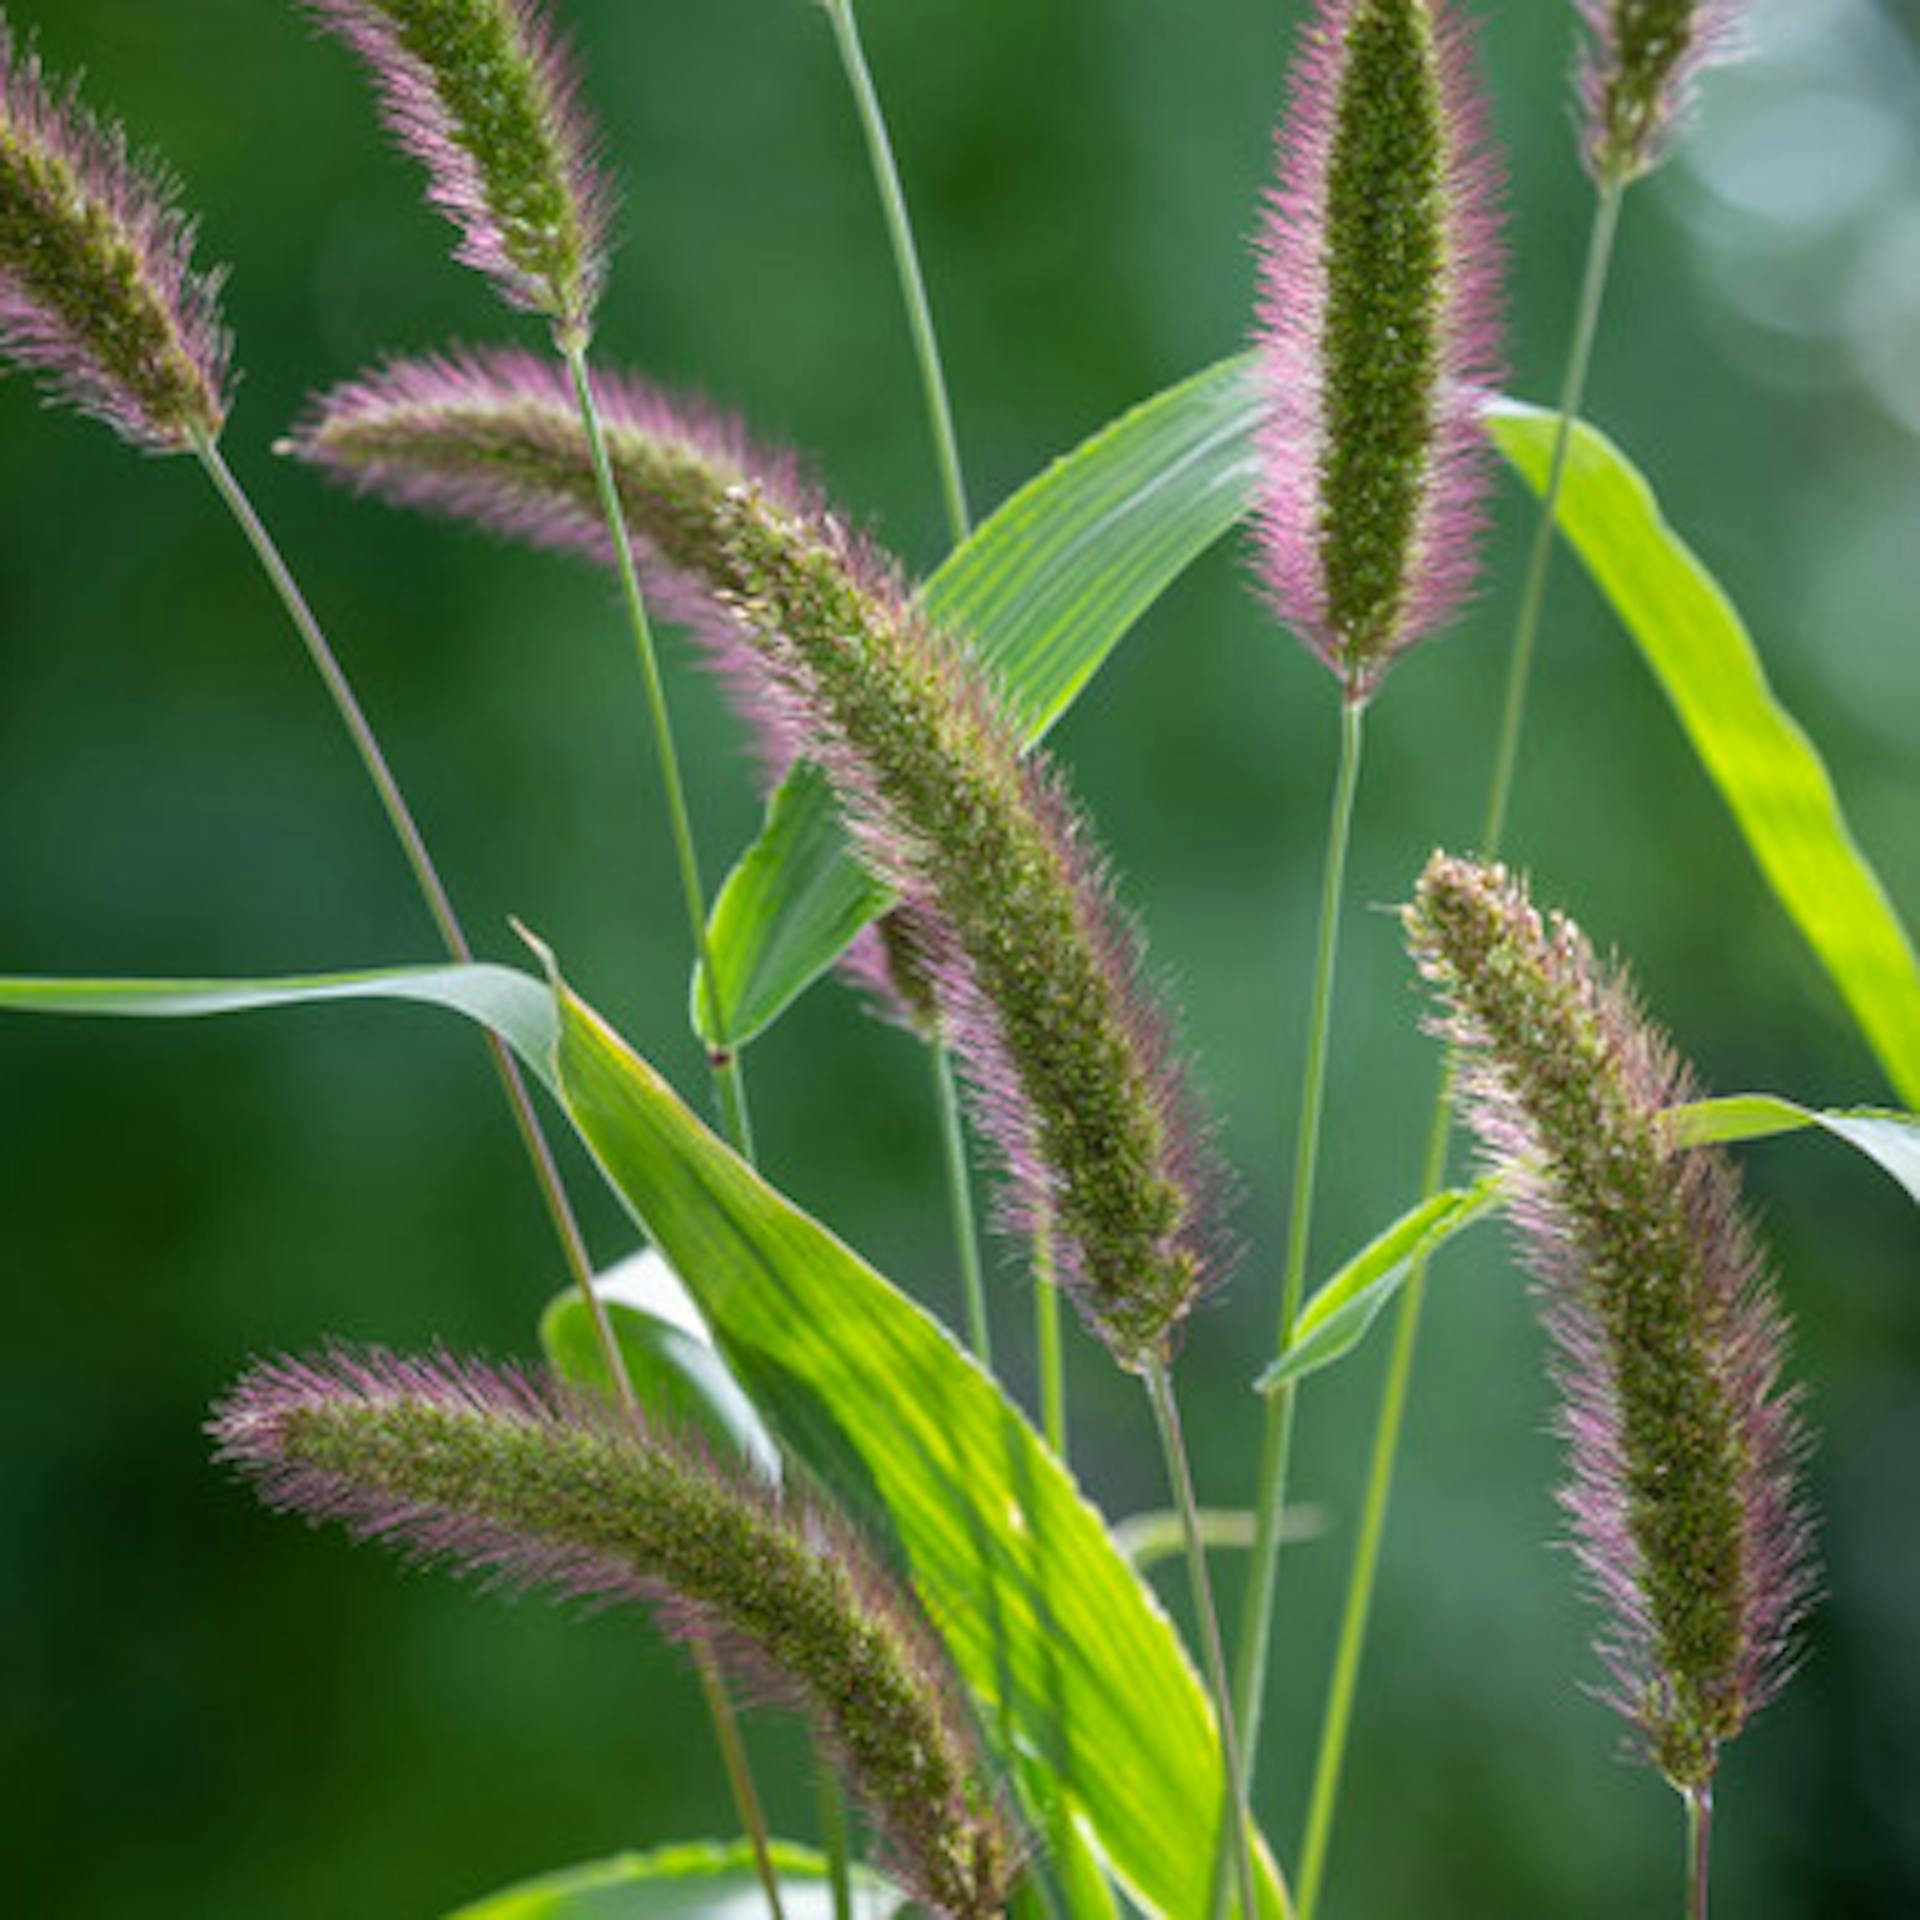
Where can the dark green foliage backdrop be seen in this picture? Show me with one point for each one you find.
(209, 1713)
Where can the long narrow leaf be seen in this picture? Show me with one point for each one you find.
(1767, 770)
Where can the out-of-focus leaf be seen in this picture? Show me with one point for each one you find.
(1056, 1635)
(1045, 590)
(1767, 770)
(700, 1882)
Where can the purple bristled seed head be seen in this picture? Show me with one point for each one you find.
(98, 294)
(494, 438)
(505, 1473)
(1378, 333)
(1685, 1446)
(1638, 72)
(483, 93)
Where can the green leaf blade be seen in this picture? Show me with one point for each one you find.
(1768, 771)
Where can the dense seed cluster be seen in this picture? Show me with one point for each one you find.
(1378, 333)
(507, 1474)
(1670, 1337)
(1642, 59)
(483, 94)
(98, 294)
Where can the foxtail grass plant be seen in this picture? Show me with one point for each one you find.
(1688, 1520)
(1378, 266)
(1636, 78)
(908, 1563)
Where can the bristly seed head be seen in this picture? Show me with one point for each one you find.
(98, 294)
(494, 439)
(1685, 1447)
(1011, 944)
(483, 93)
(1036, 973)
(1638, 74)
(1378, 335)
(507, 1474)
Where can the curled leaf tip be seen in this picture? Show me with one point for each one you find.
(1685, 1446)
(1378, 333)
(98, 293)
(503, 1472)
(484, 94)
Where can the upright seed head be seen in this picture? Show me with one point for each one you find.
(1638, 73)
(507, 1474)
(482, 92)
(1684, 1445)
(98, 294)
(1378, 335)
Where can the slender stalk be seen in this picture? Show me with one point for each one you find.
(1046, 1339)
(953, 1144)
(728, 1083)
(1357, 1609)
(1270, 1495)
(906, 260)
(539, 1152)
(426, 876)
(833, 1836)
(733, 1756)
(1699, 1849)
(1533, 598)
(1166, 1416)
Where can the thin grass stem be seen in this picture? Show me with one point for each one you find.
(1271, 1492)
(1049, 1357)
(453, 936)
(833, 1840)
(953, 1148)
(906, 260)
(1357, 1608)
(1166, 1416)
(1699, 1849)
(729, 1084)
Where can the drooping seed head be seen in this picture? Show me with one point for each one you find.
(1378, 334)
(505, 1473)
(483, 93)
(98, 293)
(1035, 970)
(1670, 1336)
(1638, 73)
(494, 439)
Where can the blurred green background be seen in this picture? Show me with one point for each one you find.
(207, 1712)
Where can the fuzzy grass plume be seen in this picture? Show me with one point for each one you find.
(1684, 1444)
(1010, 931)
(1637, 76)
(483, 94)
(1378, 333)
(98, 293)
(494, 438)
(505, 1473)
(1035, 970)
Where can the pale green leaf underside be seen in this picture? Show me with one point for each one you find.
(1054, 1632)
(1052, 583)
(1045, 590)
(699, 1882)
(1768, 771)
(1340, 1313)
